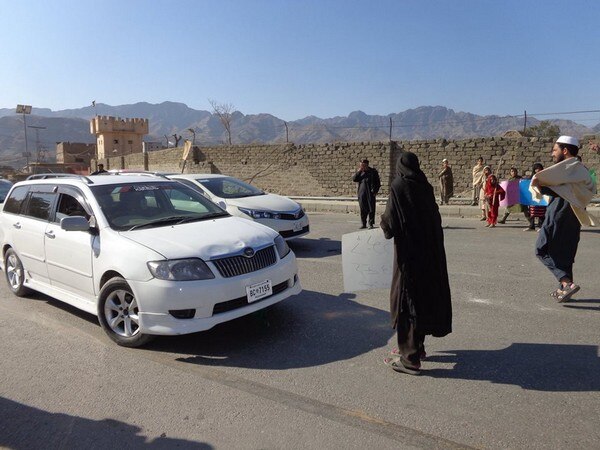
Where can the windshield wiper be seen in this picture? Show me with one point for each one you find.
(161, 221)
(250, 195)
(213, 215)
(177, 220)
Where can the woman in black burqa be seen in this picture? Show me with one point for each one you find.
(420, 302)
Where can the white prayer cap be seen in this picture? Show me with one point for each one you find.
(570, 140)
(444, 160)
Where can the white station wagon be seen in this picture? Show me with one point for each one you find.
(148, 256)
(241, 199)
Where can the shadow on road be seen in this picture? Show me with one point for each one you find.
(536, 367)
(304, 331)
(315, 248)
(575, 304)
(588, 230)
(26, 427)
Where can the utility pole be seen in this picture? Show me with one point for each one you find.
(390, 129)
(525, 123)
(286, 132)
(25, 109)
(37, 141)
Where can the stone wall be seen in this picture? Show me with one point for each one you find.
(327, 169)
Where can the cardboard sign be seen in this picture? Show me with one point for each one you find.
(367, 259)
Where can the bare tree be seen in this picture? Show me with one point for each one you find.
(225, 113)
(177, 139)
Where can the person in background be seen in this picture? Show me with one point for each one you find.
(446, 182)
(420, 299)
(535, 211)
(478, 180)
(483, 205)
(571, 188)
(493, 195)
(368, 187)
(517, 207)
(100, 170)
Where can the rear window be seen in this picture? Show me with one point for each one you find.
(39, 205)
(14, 203)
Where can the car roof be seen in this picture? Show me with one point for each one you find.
(193, 176)
(98, 180)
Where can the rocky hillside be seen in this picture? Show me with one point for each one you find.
(168, 118)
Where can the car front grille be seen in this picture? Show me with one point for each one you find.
(290, 233)
(239, 265)
(287, 216)
(236, 303)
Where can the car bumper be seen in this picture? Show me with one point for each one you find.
(288, 229)
(157, 297)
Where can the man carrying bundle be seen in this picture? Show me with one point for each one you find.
(571, 188)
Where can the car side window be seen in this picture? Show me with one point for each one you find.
(39, 205)
(14, 203)
(190, 184)
(69, 206)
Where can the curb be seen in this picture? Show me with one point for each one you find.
(347, 205)
(351, 207)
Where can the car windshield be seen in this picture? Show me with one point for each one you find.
(227, 187)
(4, 188)
(131, 206)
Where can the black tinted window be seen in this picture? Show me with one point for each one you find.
(4, 188)
(39, 205)
(15, 201)
(69, 206)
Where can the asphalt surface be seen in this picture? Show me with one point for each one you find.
(519, 370)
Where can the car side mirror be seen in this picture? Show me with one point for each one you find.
(74, 223)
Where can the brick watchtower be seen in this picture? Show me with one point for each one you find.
(118, 137)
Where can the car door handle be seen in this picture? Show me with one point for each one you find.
(17, 225)
(50, 234)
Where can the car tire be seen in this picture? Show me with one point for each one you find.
(118, 314)
(15, 273)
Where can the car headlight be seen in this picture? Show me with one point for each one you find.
(257, 214)
(282, 248)
(180, 269)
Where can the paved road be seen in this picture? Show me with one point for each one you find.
(519, 371)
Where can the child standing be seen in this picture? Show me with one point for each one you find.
(535, 211)
(493, 195)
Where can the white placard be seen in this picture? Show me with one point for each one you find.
(367, 258)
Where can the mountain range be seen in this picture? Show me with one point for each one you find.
(168, 118)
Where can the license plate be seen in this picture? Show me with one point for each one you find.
(298, 226)
(259, 290)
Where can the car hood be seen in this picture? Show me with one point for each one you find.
(208, 239)
(267, 202)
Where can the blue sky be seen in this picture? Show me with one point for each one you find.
(299, 58)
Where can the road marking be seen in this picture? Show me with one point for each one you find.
(485, 301)
(353, 418)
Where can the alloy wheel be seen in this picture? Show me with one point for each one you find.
(121, 313)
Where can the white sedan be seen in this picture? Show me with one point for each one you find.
(244, 200)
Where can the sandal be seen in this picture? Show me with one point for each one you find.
(568, 292)
(401, 365)
(396, 353)
(556, 293)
